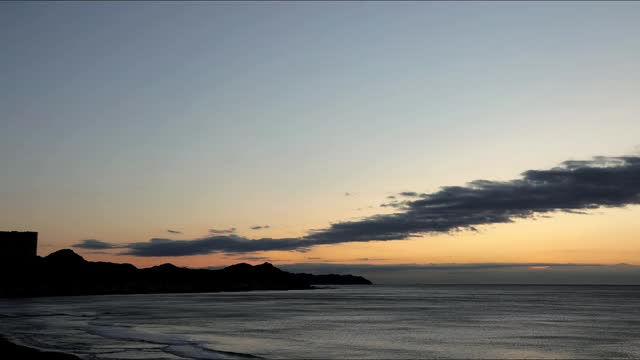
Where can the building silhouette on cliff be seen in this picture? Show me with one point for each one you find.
(16, 246)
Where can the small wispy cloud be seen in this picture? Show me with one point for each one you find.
(410, 194)
(254, 258)
(369, 259)
(259, 227)
(93, 244)
(174, 231)
(222, 231)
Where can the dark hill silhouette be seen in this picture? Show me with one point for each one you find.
(66, 273)
(65, 257)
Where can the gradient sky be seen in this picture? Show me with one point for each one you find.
(121, 121)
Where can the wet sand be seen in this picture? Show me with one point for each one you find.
(9, 350)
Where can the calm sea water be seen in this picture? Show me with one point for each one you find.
(347, 322)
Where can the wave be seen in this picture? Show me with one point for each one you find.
(201, 352)
(175, 344)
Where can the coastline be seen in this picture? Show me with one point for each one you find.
(9, 350)
(65, 273)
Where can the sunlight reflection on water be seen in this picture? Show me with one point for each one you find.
(346, 322)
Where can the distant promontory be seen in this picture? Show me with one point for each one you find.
(66, 273)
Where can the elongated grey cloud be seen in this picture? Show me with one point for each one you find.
(574, 186)
(260, 227)
(410, 194)
(174, 231)
(222, 231)
(369, 259)
(254, 258)
(93, 244)
(222, 243)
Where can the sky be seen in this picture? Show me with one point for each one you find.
(292, 132)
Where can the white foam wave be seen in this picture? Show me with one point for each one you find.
(197, 352)
(136, 334)
(175, 344)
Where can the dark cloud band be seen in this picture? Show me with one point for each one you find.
(574, 186)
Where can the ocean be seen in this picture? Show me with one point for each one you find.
(346, 322)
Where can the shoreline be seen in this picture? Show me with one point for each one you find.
(10, 350)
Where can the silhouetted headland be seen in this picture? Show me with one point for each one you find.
(18, 245)
(66, 273)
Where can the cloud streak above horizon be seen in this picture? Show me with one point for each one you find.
(574, 186)
(222, 231)
(260, 227)
(93, 244)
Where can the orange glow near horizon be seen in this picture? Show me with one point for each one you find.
(607, 236)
